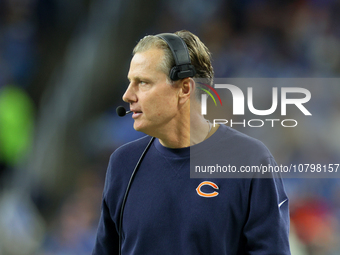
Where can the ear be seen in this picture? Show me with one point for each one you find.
(187, 87)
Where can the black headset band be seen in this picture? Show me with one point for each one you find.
(178, 48)
(180, 52)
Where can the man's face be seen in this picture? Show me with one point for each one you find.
(154, 102)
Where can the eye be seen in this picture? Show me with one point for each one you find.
(144, 85)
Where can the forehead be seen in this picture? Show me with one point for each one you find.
(146, 63)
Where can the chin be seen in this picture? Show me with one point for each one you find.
(143, 128)
(139, 128)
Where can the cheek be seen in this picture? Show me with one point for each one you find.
(161, 104)
(154, 107)
(169, 103)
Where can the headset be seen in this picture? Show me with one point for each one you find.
(182, 69)
(179, 49)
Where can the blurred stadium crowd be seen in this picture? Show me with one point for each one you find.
(63, 68)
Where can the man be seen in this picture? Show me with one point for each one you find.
(165, 211)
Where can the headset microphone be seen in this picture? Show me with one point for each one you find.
(121, 112)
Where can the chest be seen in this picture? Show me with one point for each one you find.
(164, 199)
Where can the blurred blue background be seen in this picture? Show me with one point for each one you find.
(63, 67)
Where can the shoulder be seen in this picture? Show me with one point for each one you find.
(123, 159)
(241, 143)
(122, 163)
(130, 150)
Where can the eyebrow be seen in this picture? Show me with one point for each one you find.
(138, 78)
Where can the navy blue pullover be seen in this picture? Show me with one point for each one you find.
(164, 213)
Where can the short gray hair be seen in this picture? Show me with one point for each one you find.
(150, 42)
(199, 55)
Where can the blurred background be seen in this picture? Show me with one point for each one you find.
(63, 67)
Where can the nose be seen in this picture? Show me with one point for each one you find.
(130, 95)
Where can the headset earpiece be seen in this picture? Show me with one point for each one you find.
(181, 72)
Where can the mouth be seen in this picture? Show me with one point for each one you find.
(136, 114)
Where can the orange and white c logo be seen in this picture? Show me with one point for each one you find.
(203, 194)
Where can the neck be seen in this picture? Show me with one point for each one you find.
(186, 131)
(199, 128)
